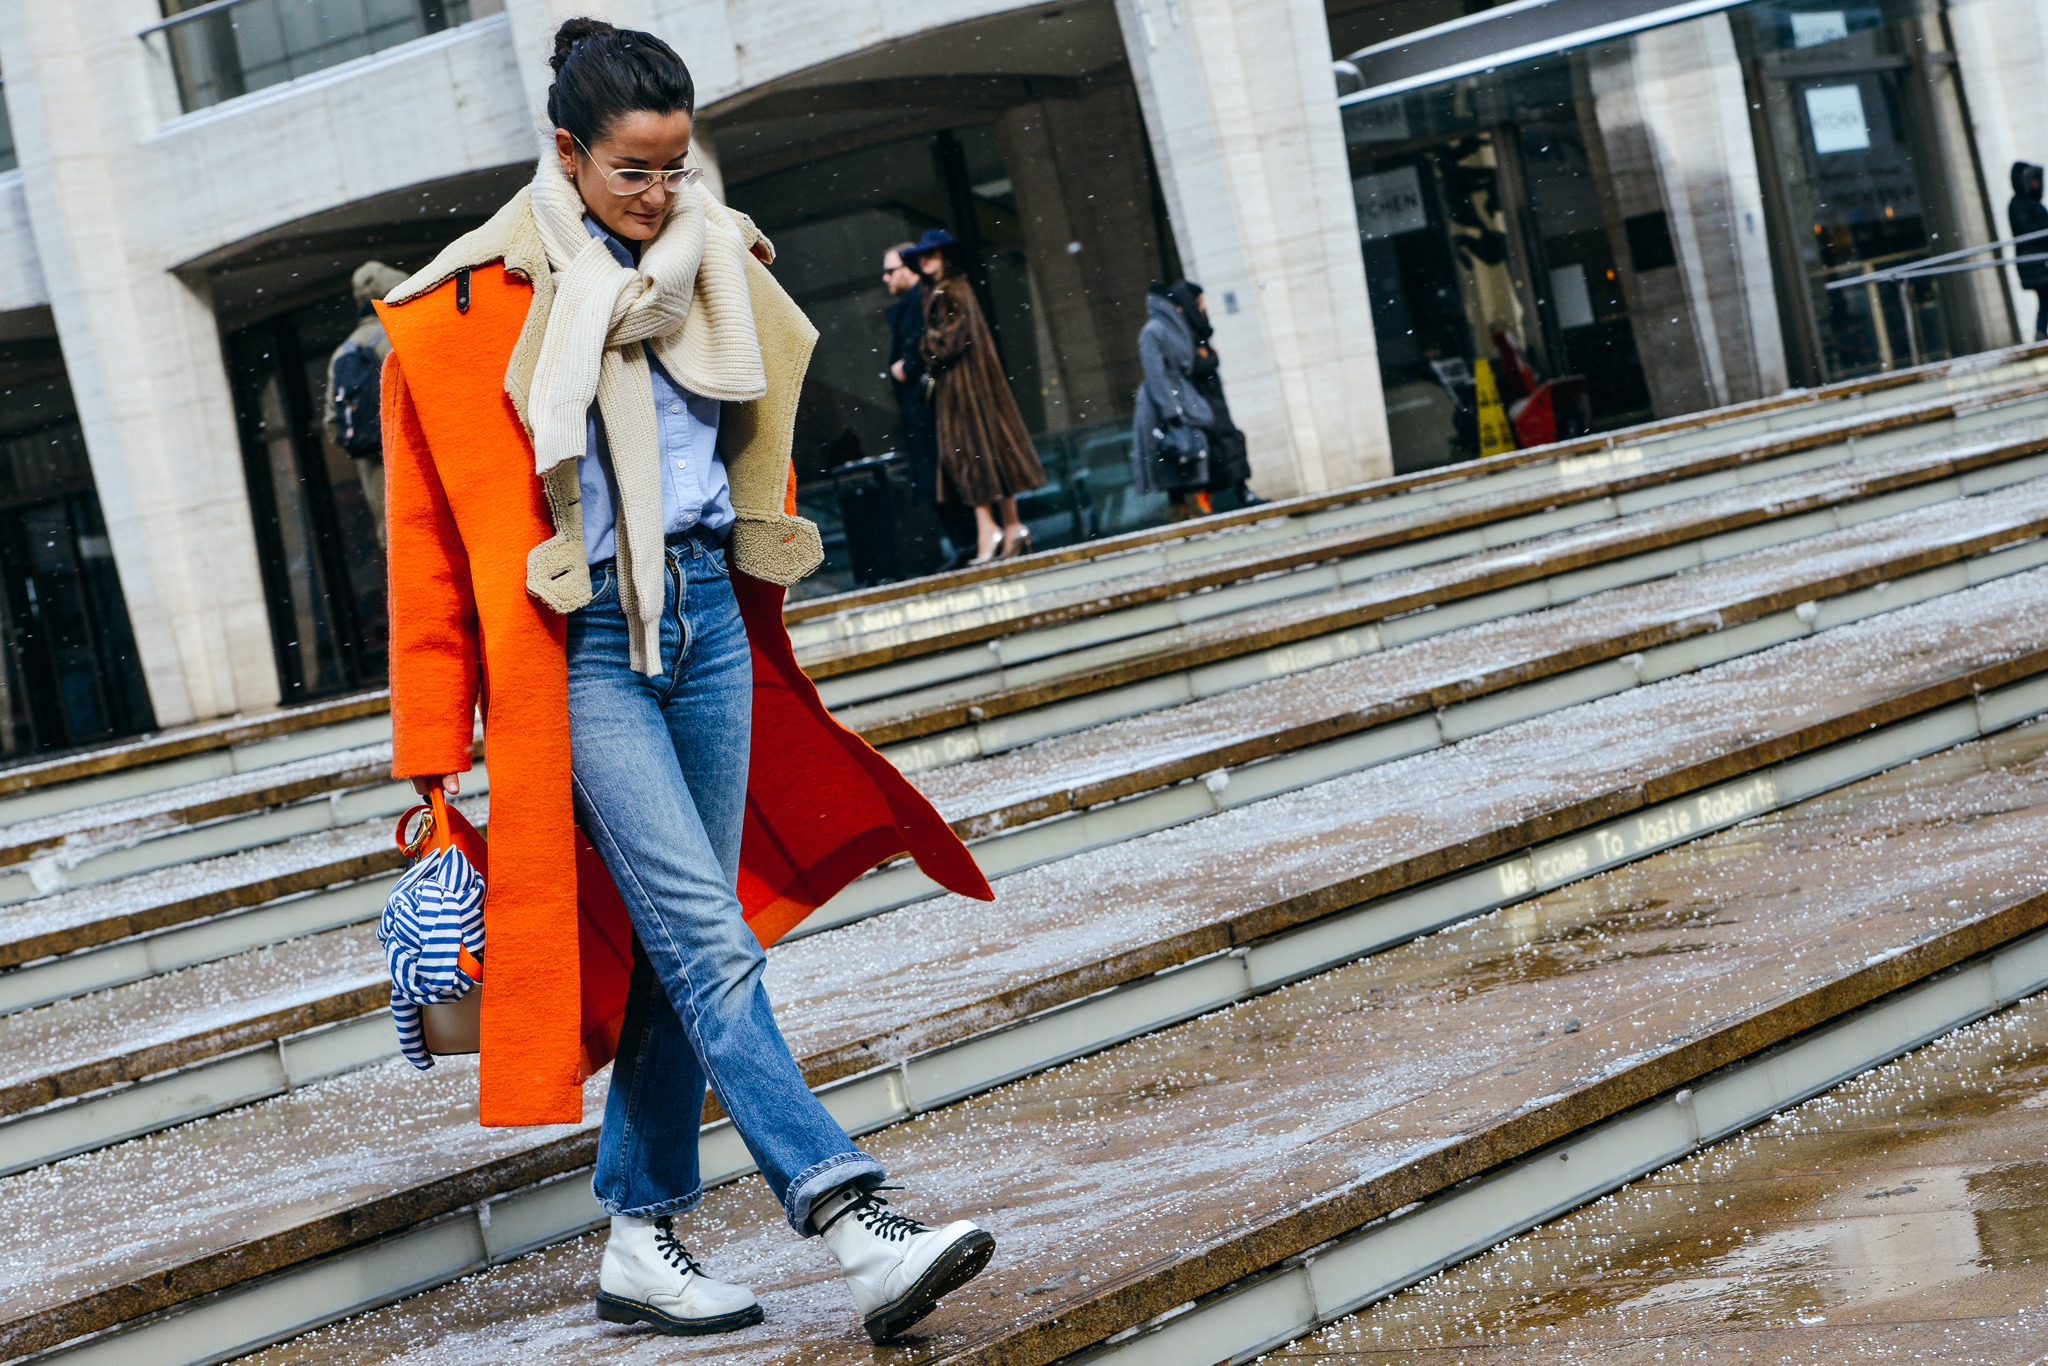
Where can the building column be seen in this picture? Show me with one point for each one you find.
(144, 357)
(1241, 109)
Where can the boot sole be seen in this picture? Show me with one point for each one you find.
(613, 1309)
(958, 1265)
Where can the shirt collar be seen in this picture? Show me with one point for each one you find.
(618, 249)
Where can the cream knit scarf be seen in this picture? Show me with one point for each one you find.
(688, 299)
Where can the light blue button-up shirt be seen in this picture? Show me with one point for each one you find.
(694, 490)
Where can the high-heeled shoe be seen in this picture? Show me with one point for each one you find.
(1020, 546)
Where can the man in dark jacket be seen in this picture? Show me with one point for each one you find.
(919, 422)
(2027, 214)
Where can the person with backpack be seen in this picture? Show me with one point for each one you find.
(355, 372)
(587, 438)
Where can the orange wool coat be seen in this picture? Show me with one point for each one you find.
(465, 508)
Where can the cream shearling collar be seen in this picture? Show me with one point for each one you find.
(754, 439)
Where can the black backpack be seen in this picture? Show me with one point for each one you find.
(358, 373)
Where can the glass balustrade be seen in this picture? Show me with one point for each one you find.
(214, 50)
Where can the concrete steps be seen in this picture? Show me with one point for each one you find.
(928, 727)
(1283, 1157)
(1660, 749)
(151, 832)
(1299, 733)
(894, 606)
(1451, 687)
(1253, 565)
(1693, 643)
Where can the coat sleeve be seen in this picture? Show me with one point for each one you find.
(435, 669)
(948, 329)
(1168, 385)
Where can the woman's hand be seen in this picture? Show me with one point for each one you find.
(896, 372)
(451, 783)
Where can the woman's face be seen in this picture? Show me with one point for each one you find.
(932, 265)
(641, 141)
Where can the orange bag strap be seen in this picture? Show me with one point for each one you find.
(428, 822)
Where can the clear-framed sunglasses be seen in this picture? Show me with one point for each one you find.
(631, 180)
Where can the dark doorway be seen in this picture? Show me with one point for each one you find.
(71, 675)
(323, 566)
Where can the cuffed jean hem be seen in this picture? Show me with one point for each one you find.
(682, 1204)
(815, 1183)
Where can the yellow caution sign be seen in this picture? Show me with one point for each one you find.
(1495, 435)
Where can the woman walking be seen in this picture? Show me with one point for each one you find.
(1170, 420)
(587, 436)
(1229, 463)
(985, 456)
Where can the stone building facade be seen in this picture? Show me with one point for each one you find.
(188, 184)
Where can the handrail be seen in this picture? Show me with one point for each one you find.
(1913, 269)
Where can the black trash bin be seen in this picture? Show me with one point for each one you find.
(889, 535)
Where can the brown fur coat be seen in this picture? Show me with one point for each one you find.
(984, 451)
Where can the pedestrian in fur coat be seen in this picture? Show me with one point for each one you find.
(985, 455)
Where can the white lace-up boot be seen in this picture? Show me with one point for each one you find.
(650, 1277)
(896, 1267)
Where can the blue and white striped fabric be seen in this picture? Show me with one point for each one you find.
(436, 909)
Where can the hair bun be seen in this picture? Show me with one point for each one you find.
(572, 32)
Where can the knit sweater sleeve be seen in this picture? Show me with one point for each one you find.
(435, 658)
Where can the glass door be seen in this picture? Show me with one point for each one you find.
(1859, 114)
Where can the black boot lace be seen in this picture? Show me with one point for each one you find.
(870, 1211)
(671, 1247)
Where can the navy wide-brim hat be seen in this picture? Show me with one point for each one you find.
(933, 239)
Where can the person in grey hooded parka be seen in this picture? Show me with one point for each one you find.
(1166, 348)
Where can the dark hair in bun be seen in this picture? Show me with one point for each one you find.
(603, 73)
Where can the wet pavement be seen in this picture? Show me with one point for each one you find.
(1902, 1217)
(1116, 1184)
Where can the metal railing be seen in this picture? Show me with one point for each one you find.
(1904, 277)
(219, 49)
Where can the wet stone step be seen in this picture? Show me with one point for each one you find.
(1115, 760)
(90, 1042)
(1019, 963)
(1862, 489)
(1124, 1184)
(188, 754)
(820, 621)
(1491, 512)
(72, 836)
(1111, 636)
(314, 882)
(1903, 1216)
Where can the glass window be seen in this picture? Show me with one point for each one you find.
(233, 49)
(1646, 226)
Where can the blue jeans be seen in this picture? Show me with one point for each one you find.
(659, 765)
